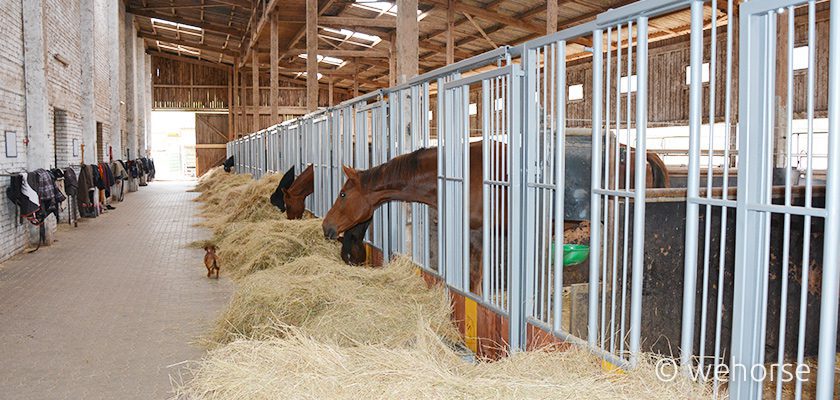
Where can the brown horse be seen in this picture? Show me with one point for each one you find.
(278, 197)
(413, 178)
(410, 177)
(290, 196)
(296, 194)
(657, 173)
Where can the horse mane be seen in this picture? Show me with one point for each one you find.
(399, 169)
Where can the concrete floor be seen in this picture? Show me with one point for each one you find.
(106, 311)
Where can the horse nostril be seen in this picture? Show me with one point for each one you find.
(330, 233)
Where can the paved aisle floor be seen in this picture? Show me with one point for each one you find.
(103, 312)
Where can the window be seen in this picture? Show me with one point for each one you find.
(326, 60)
(705, 74)
(473, 109)
(575, 92)
(800, 58)
(303, 74)
(174, 26)
(346, 35)
(625, 82)
(382, 7)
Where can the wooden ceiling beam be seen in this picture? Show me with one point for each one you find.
(200, 46)
(369, 53)
(183, 5)
(207, 26)
(382, 22)
(482, 13)
(189, 60)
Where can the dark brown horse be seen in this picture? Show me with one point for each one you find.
(413, 178)
(289, 198)
(278, 197)
(295, 195)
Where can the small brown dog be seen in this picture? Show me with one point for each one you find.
(211, 261)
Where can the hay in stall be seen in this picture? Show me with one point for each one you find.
(298, 366)
(222, 188)
(205, 182)
(328, 300)
(243, 203)
(248, 247)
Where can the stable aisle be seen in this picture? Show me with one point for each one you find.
(107, 310)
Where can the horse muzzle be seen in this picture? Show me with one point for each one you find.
(330, 232)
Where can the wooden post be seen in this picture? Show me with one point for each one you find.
(392, 62)
(244, 127)
(275, 73)
(311, 55)
(230, 104)
(551, 16)
(355, 77)
(407, 40)
(330, 91)
(780, 134)
(236, 100)
(255, 91)
(450, 31)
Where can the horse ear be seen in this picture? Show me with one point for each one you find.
(351, 173)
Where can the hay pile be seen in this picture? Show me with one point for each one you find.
(327, 300)
(241, 202)
(304, 325)
(248, 247)
(300, 367)
(216, 185)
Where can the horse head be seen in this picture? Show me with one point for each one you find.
(352, 207)
(353, 244)
(295, 195)
(277, 198)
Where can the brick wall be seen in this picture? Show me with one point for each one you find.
(62, 43)
(13, 236)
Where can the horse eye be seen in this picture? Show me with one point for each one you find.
(343, 194)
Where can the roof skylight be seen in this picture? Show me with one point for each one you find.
(326, 60)
(163, 22)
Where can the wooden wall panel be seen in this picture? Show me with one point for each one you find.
(186, 86)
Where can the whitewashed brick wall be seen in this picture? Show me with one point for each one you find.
(62, 38)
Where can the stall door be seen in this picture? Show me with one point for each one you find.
(211, 136)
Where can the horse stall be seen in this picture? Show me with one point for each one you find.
(734, 264)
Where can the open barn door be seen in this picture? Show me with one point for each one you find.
(211, 137)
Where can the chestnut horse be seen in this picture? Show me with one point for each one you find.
(410, 177)
(413, 177)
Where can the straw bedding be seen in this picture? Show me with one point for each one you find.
(330, 301)
(247, 247)
(304, 325)
(301, 367)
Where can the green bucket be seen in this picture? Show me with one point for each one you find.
(573, 254)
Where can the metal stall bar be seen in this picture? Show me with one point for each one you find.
(639, 199)
(595, 201)
(693, 187)
(757, 47)
(393, 148)
(545, 183)
(501, 96)
(831, 253)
